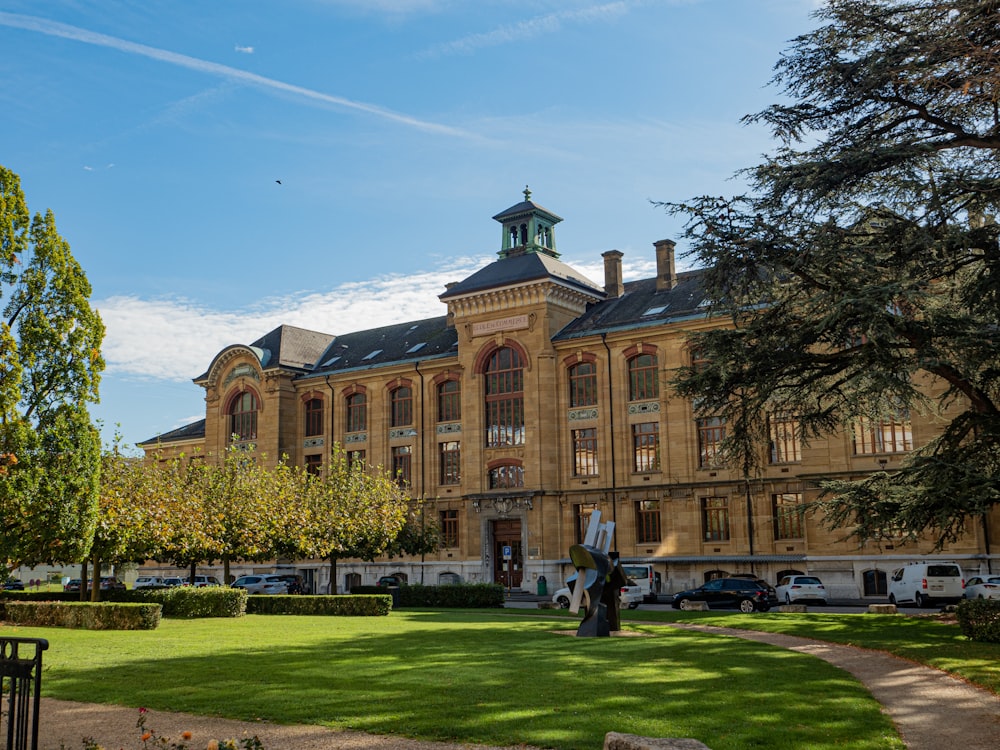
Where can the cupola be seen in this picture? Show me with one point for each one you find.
(528, 228)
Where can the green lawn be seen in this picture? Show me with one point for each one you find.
(494, 677)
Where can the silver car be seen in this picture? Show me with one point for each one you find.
(261, 584)
(801, 588)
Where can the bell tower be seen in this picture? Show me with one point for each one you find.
(528, 228)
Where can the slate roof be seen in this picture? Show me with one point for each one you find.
(377, 347)
(288, 346)
(641, 305)
(519, 269)
(527, 207)
(187, 432)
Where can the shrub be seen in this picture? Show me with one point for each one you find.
(96, 616)
(459, 595)
(979, 619)
(343, 605)
(186, 601)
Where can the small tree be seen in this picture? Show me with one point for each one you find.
(50, 365)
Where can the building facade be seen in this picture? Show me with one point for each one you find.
(538, 397)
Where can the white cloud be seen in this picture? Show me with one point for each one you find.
(244, 50)
(176, 340)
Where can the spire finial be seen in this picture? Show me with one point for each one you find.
(527, 193)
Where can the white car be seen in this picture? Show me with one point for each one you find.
(629, 596)
(800, 588)
(978, 587)
(148, 582)
(262, 584)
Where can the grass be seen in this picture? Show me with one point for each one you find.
(475, 677)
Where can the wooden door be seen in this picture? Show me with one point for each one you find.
(508, 572)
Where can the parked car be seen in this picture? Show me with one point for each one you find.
(13, 584)
(629, 596)
(386, 581)
(171, 581)
(73, 584)
(148, 582)
(926, 584)
(293, 582)
(261, 584)
(643, 576)
(801, 588)
(744, 594)
(202, 581)
(109, 583)
(978, 587)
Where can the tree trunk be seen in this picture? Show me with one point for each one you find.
(225, 570)
(194, 572)
(333, 574)
(95, 590)
(83, 581)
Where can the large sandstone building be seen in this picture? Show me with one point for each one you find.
(537, 398)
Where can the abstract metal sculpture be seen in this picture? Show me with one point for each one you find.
(597, 580)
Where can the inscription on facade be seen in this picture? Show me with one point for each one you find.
(576, 415)
(313, 443)
(446, 429)
(240, 371)
(513, 323)
(408, 432)
(646, 407)
(356, 437)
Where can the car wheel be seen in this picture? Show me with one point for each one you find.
(634, 605)
(563, 602)
(683, 603)
(892, 599)
(748, 605)
(920, 599)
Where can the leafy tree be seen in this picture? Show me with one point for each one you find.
(861, 271)
(50, 365)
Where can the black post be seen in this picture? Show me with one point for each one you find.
(25, 689)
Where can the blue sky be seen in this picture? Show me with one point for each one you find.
(157, 131)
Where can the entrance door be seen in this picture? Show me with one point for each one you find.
(507, 533)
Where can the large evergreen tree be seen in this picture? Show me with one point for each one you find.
(50, 365)
(861, 271)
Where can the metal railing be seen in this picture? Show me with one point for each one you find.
(21, 680)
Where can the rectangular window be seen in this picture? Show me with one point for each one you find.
(715, 518)
(313, 464)
(783, 430)
(646, 446)
(449, 528)
(314, 417)
(357, 412)
(449, 401)
(401, 464)
(893, 434)
(355, 458)
(711, 432)
(402, 407)
(585, 453)
(504, 422)
(450, 455)
(647, 521)
(583, 385)
(788, 522)
(581, 517)
(643, 383)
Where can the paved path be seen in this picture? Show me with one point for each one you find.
(931, 709)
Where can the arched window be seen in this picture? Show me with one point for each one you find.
(449, 398)
(314, 417)
(643, 383)
(504, 374)
(875, 583)
(506, 476)
(583, 384)
(402, 407)
(243, 417)
(357, 412)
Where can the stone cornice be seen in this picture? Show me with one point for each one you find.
(504, 301)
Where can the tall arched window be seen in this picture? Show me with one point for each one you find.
(583, 384)
(642, 381)
(402, 407)
(243, 417)
(506, 476)
(357, 412)
(504, 398)
(314, 417)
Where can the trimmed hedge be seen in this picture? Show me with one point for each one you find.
(340, 605)
(979, 619)
(86, 615)
(450, 596)
(190, 602)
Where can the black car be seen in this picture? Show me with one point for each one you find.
(744, 594)
(294, 582)
(13, 584)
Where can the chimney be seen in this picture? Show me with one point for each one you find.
(666, 269)
(613, 285)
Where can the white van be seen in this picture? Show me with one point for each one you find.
(927, 583)
(645, 578)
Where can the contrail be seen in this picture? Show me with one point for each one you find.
(53, 28)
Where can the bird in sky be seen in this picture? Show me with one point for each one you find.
(278, 181)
